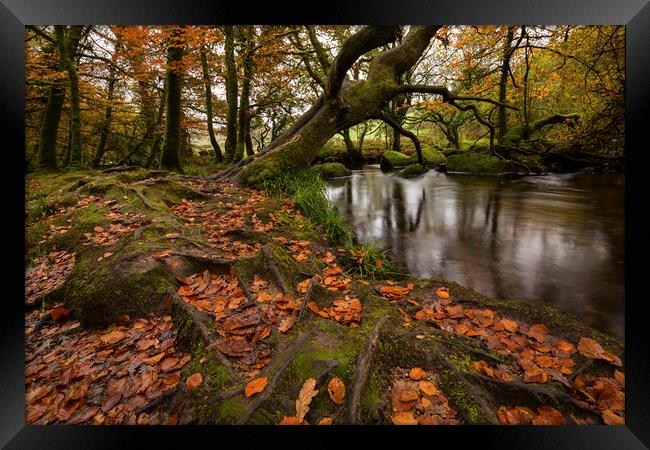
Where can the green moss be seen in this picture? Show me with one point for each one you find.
(412, 170)
(333, 170)
(473, 162)
(99, 292)
(391, 159)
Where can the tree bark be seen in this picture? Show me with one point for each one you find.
(103, 133)
(50, 128)
(170, 158)
(218, 156)
(502, 126)
(243, 98)
(68, 43)
(231, 94)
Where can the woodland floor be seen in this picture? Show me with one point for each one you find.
(153, 298)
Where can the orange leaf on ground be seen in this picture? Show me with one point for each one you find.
(112, 337)
(154, 359)
(427, 387)
(442, 292)
(408, 395)
(548, 416)
(59, 313)
(336, 390)
(255, 386)
(416, 373)
(535, 375)
(292, 420)
(194, 381)
(325, 421)
(538, 332)
(612, 419)
(509, 325)
(404, 418)
(619, 377)
(305, 396)
(592, 349)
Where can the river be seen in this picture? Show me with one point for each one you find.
(554, 239)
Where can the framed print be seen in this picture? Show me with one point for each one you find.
(357, 217)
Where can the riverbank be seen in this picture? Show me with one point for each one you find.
(137, 281)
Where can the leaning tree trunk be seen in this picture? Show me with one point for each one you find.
(231, 94)
(344, 104)
(218, 157)
(170, 158)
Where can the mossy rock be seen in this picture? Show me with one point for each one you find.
(412, 170)
(391, 160)
(332, 170)
(472, 162)
(100, 292)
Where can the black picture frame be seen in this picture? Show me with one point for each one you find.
(635, 14)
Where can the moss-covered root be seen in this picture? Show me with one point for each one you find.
(361, 374)
(270, 388)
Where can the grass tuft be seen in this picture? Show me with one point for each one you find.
(307, 190)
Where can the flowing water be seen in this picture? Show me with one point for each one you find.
(554, 239)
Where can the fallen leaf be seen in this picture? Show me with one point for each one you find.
(59, 313)
(112, 337)
(292, 420)
(305, 396)
(256, 386)
(404, 418)
(408, 395)
(194, 381)
(336, 390)
(538, 332)
(416, 373)
(619, 377)
(427, 387)
(612, 419)
(155, 359)
(592, 349)
(442, 292)
(325, 421)
(548, 416)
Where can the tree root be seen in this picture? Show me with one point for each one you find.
(144, 199)
(275, 270)
(122, 168)
(305, 299)
(558, 398)
(471, 387)
(199, 321)
(297, 345)
(361, 374)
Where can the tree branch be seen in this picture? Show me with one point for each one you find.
(447, 95)
(363, 41)
(395, 124)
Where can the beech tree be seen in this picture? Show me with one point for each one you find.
(346, 102)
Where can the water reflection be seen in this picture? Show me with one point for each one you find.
(556, 239)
